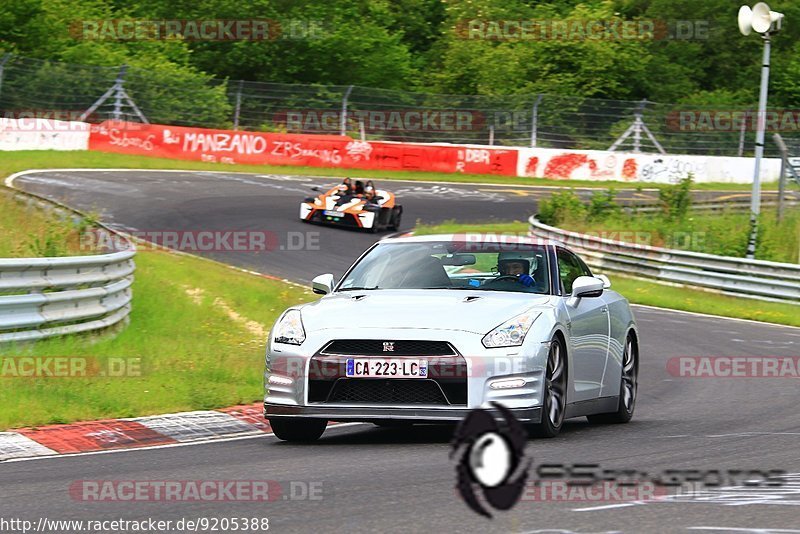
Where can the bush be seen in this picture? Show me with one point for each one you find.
(602, 205)
(676, 200)
(561, 207)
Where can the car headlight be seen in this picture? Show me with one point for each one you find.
(290, 329)
(511, 333)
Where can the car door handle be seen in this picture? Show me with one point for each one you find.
(604, 309)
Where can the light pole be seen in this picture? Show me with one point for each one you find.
(761, 20)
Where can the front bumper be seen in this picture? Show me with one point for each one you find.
(365, 414)
(315, 214)
(296, 392)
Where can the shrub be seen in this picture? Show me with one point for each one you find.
(602, 205)
(676, 200)
(561, 207)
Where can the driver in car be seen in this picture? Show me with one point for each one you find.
(515, 264)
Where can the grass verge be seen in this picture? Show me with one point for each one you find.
(11, 162)
(196, 332)
(652, 293)
(30, 232)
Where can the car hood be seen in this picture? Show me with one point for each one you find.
(471, 311)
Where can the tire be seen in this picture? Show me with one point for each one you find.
(397, 215)
(628, 388)
(554, 402)
(298, 430)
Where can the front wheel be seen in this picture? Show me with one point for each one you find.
(627, 388)
(299, 430)
(554, 405)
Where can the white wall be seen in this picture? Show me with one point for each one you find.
(43, 134)
(640, 168)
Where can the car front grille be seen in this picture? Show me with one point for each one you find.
(375, 347)
(389, 391)
(446, 383)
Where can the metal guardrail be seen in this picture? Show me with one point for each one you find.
(46, 297)
(763, 280)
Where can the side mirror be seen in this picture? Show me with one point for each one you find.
(585, 287)
(605, 279)
(323, 284)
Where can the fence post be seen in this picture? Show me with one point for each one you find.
(782, 180)
(742, 130)
(343, 123)
(2, 69)
(491, 134)
(238, 107)
(535, 119)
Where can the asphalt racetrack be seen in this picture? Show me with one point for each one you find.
(394, 480)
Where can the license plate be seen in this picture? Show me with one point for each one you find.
(386, 368)
(334, 213)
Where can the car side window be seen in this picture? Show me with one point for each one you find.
(570, 267)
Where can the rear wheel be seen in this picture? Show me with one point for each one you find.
(627, 388)
(555, 393)
(397, 215)
(300, 430)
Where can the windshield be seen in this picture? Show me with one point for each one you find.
(515, 267)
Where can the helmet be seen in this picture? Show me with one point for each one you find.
(342, 188)
(505, 258)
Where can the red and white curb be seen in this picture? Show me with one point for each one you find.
(110, 434)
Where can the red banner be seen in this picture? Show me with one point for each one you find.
(259, 148)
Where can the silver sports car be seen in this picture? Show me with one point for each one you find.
(425, 329)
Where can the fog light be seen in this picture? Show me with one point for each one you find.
(507, 383)
(280, 380)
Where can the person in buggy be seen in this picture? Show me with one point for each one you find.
(369, 192)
